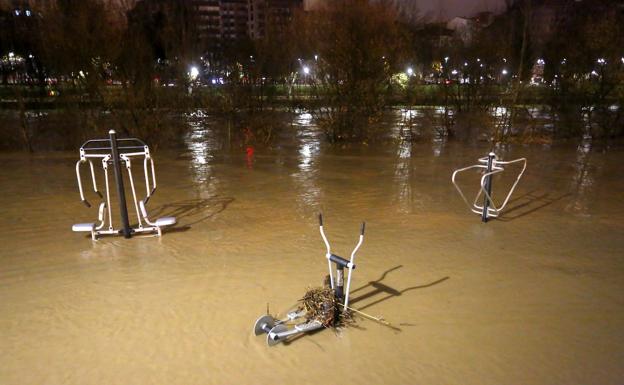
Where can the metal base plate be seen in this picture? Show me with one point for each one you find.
(276, 329)
(264, 320)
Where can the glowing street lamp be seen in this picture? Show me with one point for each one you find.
(409, 71)
(504, 72)
(306, 70)
(193, 73)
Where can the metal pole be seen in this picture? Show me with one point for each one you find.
(488, 187)
(339, 288)
(127, 233)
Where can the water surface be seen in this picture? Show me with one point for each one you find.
(534, 297)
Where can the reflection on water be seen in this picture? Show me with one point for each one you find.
(201, 146)
(306, 176)
(583, 178)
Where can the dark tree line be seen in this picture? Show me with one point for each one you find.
(340, 60)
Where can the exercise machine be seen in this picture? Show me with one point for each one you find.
(114, 152)
(298, 321)
(490, 165)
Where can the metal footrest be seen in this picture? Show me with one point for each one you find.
(88, 227)
(278, 331)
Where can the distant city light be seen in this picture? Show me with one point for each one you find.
(11, 54)
(594, 73)
(27, 12)
(454, 72)
(504, 72)
(409, 71)
(478, 59)
(446, 59)
(315, 57)
(17, 12)
(306, 70)
(465, 64)
(194, 73)
(540, 61)
(601, 61)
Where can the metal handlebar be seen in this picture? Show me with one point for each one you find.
(352, 266)
(330, 257)
(93, 180)
(328, 254)
(497, 167)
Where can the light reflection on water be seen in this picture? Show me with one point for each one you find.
(201, 147)
(583, 179)
(306, 176)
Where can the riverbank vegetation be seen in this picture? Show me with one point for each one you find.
(345, 62)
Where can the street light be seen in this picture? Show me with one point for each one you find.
(193, 73)
(504, 72)
(409, 71)
(306, 70)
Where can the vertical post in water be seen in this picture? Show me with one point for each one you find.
(339, 289)
(488, 187)
(127, 233)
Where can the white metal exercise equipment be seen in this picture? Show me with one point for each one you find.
(491, 166)
(280, 330)
(113, 151)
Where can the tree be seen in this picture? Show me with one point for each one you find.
(357, 46)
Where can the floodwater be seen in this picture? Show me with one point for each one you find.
(534, 297)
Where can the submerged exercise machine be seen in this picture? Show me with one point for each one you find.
(296, 321)
(490, 166)
(113, 152)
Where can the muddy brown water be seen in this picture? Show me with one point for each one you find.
(532, 298)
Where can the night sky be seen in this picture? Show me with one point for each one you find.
(459, 7)
(449, 8)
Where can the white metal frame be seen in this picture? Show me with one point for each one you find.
(280, 330)
(497, 167)
(351, 265)
(88, 153)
